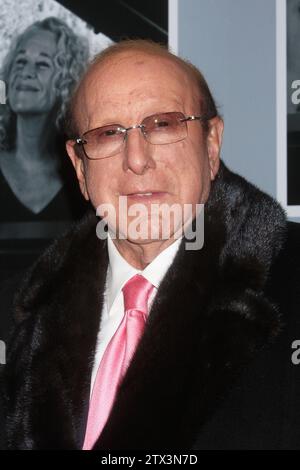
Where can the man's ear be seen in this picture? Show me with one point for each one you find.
(214, 142)
(78, 164)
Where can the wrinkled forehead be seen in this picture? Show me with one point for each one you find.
(133, 75)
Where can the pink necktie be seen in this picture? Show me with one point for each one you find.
(117, 356)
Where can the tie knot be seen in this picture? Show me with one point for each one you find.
(136, 293)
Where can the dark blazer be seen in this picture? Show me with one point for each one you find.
(213, 369)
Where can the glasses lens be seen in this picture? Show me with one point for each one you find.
(103, 142)
(164, 128)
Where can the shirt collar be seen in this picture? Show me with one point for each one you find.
(120, 271)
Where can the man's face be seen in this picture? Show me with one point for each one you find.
(124, 91)
(30, 87)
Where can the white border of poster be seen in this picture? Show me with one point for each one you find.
(173, 25)
(281, 105)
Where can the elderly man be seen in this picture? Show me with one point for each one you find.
(136, 341)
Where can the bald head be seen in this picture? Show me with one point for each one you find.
(107, 66)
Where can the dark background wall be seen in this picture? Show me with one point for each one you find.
(119, 19)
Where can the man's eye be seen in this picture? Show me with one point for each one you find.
(162, 123)
(110, 133)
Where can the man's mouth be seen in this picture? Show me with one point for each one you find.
(146, 194)
(141, 194)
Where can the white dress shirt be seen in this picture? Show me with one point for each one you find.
(118, 273)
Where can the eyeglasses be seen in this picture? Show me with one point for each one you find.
(157, 129)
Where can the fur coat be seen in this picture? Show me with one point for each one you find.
(207, 372)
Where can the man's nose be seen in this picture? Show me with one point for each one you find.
(137, 151)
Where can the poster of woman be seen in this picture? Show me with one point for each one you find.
(44, 48)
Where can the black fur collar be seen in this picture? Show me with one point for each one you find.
(209, 318)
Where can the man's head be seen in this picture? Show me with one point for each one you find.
(124, 85)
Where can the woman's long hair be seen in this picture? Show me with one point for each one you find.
(70, 61)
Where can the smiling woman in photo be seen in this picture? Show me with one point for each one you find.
(40, 71)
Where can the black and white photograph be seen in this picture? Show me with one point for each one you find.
(45, 47)
(293, 102)
(288, 105)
